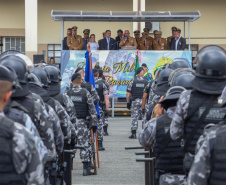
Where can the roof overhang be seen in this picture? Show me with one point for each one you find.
(126, 16)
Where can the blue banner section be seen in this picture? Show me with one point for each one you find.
(118, 66)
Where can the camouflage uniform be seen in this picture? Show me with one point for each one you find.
(147, 90)
(26, 157)
(45, 129)
(93, 93)
(135, 106)
(82, 127)
(58, 134)
(101, 120)
(108, 88)
(39, 143)
(201, 167)
(53, 118)
(147, 139)
(27, 122)
(177, 125)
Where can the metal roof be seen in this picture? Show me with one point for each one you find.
(126, 16)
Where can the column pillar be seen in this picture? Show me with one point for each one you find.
(31, 28)
(138, 5)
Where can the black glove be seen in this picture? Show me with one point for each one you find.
(143, 112)
(94, 128)
(106, 113)
(73, 142)
(129, 105)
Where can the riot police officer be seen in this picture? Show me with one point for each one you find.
(44, 93)
(209, 162)
(20, 164)
(156, 134)
(84, 107)
(198, 107)
(18, 113)
(24, 97)
(103, 94)
(55, 92)
(135, 91)
(158, 89)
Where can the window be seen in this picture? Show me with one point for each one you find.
(14, 43)
(54, 50)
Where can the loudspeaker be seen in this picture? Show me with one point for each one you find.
(38, 59)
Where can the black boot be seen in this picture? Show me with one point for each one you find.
(90, 165)
(100, 146)
(86, 170)
(106, 131)
(133, 136)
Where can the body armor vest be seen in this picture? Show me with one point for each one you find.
(59, 98)
(138, 88)
(28, 103)
(8, 174)
(99, 88)
(169, 153)
(218, 159)
(213, 116)
(87, 86)
(80, 102)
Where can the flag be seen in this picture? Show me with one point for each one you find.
(136, 64)
(89, 77)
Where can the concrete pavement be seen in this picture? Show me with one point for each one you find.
(117, 165)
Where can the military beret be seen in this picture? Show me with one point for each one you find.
(74, 76)
(174, 28)
(136, 32)
(5, 74)
(78, 69)
(139, 69)
(86, 31)
(146, 30)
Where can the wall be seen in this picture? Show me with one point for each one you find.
(50, 31)
(211, 24)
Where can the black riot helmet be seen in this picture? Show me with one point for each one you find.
(211, 62)
(34, 79)
(18, 65)
(184, 80)
(163, 76)
(179, 63)
(172, 96)
(54, 73)
(43, 75)
(210, 77)
(182, 77)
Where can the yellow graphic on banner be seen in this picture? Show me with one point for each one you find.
(162, 62)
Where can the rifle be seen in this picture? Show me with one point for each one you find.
(94, 157)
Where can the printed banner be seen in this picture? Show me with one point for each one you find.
(118, 66)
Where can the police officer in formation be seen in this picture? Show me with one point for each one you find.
(134, 98)
(103, 93)
(26, 166)
(84, 106)
(106, 115)
(182, 115)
